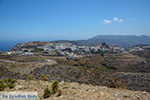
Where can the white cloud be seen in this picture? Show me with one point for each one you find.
(107, 21)
(118, 20)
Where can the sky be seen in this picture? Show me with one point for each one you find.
(72, 19)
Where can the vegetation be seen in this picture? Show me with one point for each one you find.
(44, 77)
(31, 77)
(55, 87)
(65, 83)
(2, 85)
(11, 86)
(9, 82)
(39, 81)
(47, 93)
(113, 82)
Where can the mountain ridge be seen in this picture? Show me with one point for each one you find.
(118, 40)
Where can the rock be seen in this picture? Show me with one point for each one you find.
(71, 98)
(55, 98)
(18, 87)
(137, 97)
(116, 95)
(62, 82)
(61, 97)
(101, 93)
(93, 90)
(103, 87)
(65, 87)
(144, 93)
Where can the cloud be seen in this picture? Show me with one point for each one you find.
(107, 21)
(118, 20)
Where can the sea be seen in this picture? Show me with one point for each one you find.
(5, 45)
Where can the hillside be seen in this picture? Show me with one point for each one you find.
(76, 91)
(89, 70)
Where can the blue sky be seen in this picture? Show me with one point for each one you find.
(72, 19)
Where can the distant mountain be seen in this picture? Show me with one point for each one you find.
(121, 40)
(118, 40)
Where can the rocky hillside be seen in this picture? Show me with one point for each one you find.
(93, 70)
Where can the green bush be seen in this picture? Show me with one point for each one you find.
(5, 80)
(47, 75)
(2, 86)
(30, 77)
(1, 81)
(9, 79)
(55, 87)
(47, 93)
(44, 77)
(9, 82)
(13, 81)
(11, 85)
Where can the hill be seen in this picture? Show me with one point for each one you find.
(118, 40)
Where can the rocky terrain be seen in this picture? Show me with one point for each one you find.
(76, 91)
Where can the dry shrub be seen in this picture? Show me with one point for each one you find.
(114, 82)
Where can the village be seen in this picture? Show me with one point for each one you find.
(61, 49)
